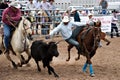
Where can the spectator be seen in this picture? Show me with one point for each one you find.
(10, 17)
(46, 7)
(114, 23)
(104, 5)
(76, 15)
(58, 17)
(37, 8)
(66, 13)
(90, 21)
(37, 4)
(30, 6)
(3, 5)
(52, 7)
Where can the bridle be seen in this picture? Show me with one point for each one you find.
(24, 25)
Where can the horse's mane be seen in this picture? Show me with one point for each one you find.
(28, 18)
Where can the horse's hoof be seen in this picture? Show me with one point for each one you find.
(77, 59)
(92, 75)
(28, 65)
(67, 59)
(108, 43)
(19, 65)
(56, 76)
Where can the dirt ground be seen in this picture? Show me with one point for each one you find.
(106, 64)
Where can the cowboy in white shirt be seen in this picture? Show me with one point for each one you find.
(67, 32)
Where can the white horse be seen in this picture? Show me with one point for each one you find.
(19, 43)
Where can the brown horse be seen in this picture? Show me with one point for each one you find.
(88, 38)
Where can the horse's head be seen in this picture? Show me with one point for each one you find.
(97, 34)
(97, 23)
(25, 26)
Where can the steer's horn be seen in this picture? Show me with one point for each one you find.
(58, 41)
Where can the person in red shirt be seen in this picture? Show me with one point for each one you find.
(10, 17)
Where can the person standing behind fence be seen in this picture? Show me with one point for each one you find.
(31, 7)
(3, 6)
(66, 13)
(114, 23)
(46, 7)
(37, 4)
(52, 6)
(90, 21)
(37, 8)
(58, 17)
(104, 5)
(76, 15)
(31, 13)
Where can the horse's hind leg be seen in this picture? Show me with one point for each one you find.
(106, 40)
(78, 57)
(9, 58)
(103, 38)
(69, 48)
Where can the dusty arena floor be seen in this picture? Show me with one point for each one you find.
(106, 64)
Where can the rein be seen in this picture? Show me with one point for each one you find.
(25, 35)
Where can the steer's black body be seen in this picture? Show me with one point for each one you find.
(44, 52)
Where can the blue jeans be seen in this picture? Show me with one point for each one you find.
(7, 33)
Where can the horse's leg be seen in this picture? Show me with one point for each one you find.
(9, 58)
(78, 56)
(69, 48)
(85, 67)
(90, 65)
(22, 60)
(103, 38)
(29, 56)
(106, 40)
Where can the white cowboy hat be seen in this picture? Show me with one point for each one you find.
(73, 9)
(40, 12)
(66, 19)
(57, 9)
(90, 14)
(15, 4)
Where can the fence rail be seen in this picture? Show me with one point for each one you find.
(43, 27)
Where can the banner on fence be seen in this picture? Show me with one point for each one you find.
(105, 20)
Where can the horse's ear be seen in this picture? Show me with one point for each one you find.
(28, 18)
(94, 23)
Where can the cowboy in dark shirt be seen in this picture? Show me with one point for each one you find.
(76, 15)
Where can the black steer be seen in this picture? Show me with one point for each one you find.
(44, 52)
